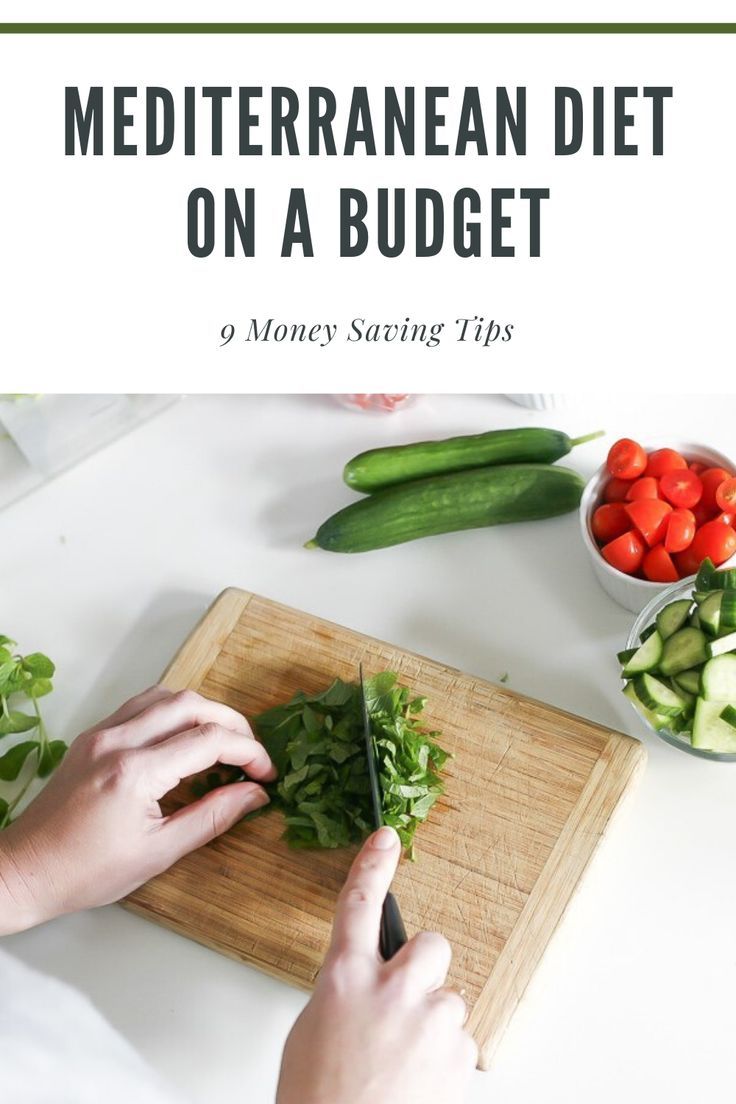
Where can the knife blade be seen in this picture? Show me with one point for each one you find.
(393, 933)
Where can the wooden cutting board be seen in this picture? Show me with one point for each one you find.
(528, 796)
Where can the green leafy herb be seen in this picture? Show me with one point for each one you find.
(318, 747)
(24, 679)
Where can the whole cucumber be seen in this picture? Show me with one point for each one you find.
(384, 467)
(445, 503)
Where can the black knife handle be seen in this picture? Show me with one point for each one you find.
(393, 932)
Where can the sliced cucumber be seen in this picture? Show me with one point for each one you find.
(704, 578)
(686, 649)
(658, 697)
(647, 632)
(729, 715)
(627, 654)
(689, 681)
(710, 612)
(694, 619)
(727, 578)
(673, 617)
(699, 596)
(721, 646)
(728, 609)
(646, 657)
(719, 679)
(710, 731)
(656, 720)
(688, 698)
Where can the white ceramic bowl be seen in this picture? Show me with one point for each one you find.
(633, 594)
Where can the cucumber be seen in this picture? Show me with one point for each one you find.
(720, 646)
(647, 632)
(646, 657)
(385, 467)
(700, 595)
(685, 649)
(719, 679)
(694, 619)
(710, 613)
(627, 654)
(689, 681)
(673, 617)
(728, 609)
(710, 731)
(709, 578)
(447, 503)
(656, 696)
(688, 698)
(656, 720)
(729, 715)
(704, 578)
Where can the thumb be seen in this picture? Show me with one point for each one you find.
(204, 820)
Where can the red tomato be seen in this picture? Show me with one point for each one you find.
(680, 531)
(726, 519)
(625, 553)
(726, 495)
(687, 562)
(697, 467)
(615, 490)
(646, 487)
(609, 521)
(626, 459)
(658, 566)
(650, 515)
(681, 487)
(711, 480)
(702, 514)
(664, 460)
(716, 540)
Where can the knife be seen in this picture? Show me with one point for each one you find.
(393, 933)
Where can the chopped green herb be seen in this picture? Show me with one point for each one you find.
(317, 744)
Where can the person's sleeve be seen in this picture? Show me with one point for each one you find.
(56, 1047)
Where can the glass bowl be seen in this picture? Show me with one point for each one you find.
(683, 589)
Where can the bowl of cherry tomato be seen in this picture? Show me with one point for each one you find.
(650, 516)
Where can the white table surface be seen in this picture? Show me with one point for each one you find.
(108, 568)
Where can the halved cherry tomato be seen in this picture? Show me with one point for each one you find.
(680, 531)
(625, 553)
(615, 490)
(716, 541)
(681, 487)
(609, 521)
(626, 459)
(726, 495)
(697, 467)
(711, 479)
(664, 460)
(649, 515)
(701, 513)
(646, 487)
(658, 566)
(687, 562)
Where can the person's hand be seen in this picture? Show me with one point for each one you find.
(374, 1030)
(96, 832)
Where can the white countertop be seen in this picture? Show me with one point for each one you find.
(108, 567)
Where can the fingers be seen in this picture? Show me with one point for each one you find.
(130, 709)
(204, 820)
(168, 761)
(358, 915)
(450, 1005)
(423, 962)
(168, 714)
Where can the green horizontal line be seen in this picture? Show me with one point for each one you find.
(367, 28)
